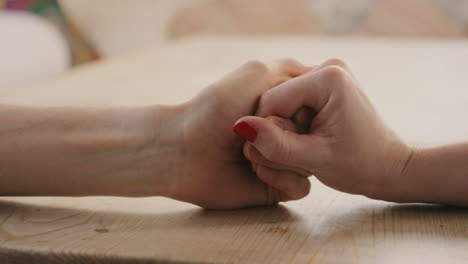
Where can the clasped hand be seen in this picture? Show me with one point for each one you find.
(294, 122)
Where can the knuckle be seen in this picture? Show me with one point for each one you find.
(333, 72)
(257, 66)
(334, 76)
(336, 62)
(289, 62)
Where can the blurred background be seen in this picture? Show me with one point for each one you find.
(41, 38)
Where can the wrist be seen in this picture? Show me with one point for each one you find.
(408, 186)
(438, 175)
(149, 153)
(162, 153)
(391, 184)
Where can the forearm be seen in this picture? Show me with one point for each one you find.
(86, 151)
(435, 175)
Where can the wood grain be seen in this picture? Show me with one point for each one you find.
(418, 86)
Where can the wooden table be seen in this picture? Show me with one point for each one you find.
(420, 88)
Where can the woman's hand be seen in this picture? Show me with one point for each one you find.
(322, 124)
(213, 172)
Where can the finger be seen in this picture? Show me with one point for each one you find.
(303, 118)
(290, 185)
(283, 123)
(260, 76)
(334, 62)
(251, 153)
(312, 90)
(281, 146)
(256, 158)
(285, 69)
(337, 63)
(288, 67)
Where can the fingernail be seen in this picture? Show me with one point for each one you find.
(245, 131)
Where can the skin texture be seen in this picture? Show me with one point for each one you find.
(186, 152)
(328, 128)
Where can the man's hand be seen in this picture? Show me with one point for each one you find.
(215, 173)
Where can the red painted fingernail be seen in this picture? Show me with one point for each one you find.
(245, 131)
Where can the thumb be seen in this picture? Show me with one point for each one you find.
(278, 145)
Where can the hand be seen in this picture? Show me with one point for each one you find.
(215, 173)
(345, 144)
